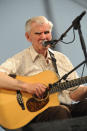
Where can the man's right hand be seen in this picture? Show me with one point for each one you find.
(37, 89)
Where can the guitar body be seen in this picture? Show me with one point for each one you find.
(11, 114)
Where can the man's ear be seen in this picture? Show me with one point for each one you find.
(27, 36)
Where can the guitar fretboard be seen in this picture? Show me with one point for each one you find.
(64, 85)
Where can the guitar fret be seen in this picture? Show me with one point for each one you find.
(59, 86)
(62, 86)
(53, 90)
(83, 81)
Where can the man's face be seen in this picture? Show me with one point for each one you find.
(38, 34)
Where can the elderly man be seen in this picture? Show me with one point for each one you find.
(37, 59)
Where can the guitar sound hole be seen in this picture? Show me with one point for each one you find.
(34, 104)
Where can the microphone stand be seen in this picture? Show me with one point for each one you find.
(66, 75)
(76, 25)
(82, 41)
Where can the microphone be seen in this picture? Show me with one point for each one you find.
(77, 19)
(46, 43)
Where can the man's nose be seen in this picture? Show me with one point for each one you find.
(43, 35)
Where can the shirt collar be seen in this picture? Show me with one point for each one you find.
(35, 54)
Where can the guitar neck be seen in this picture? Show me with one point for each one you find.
(65, 85)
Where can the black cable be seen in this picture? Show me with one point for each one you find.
(70, 41)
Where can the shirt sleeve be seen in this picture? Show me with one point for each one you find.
(11, 65)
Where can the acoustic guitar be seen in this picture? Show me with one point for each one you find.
(19, 108)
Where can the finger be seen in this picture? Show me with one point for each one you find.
(37, 93)
(43, 86)
(40, 91)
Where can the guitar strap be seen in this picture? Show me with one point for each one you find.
(19, 95)
(53, 61)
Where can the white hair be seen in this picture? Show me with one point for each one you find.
(40, 20)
